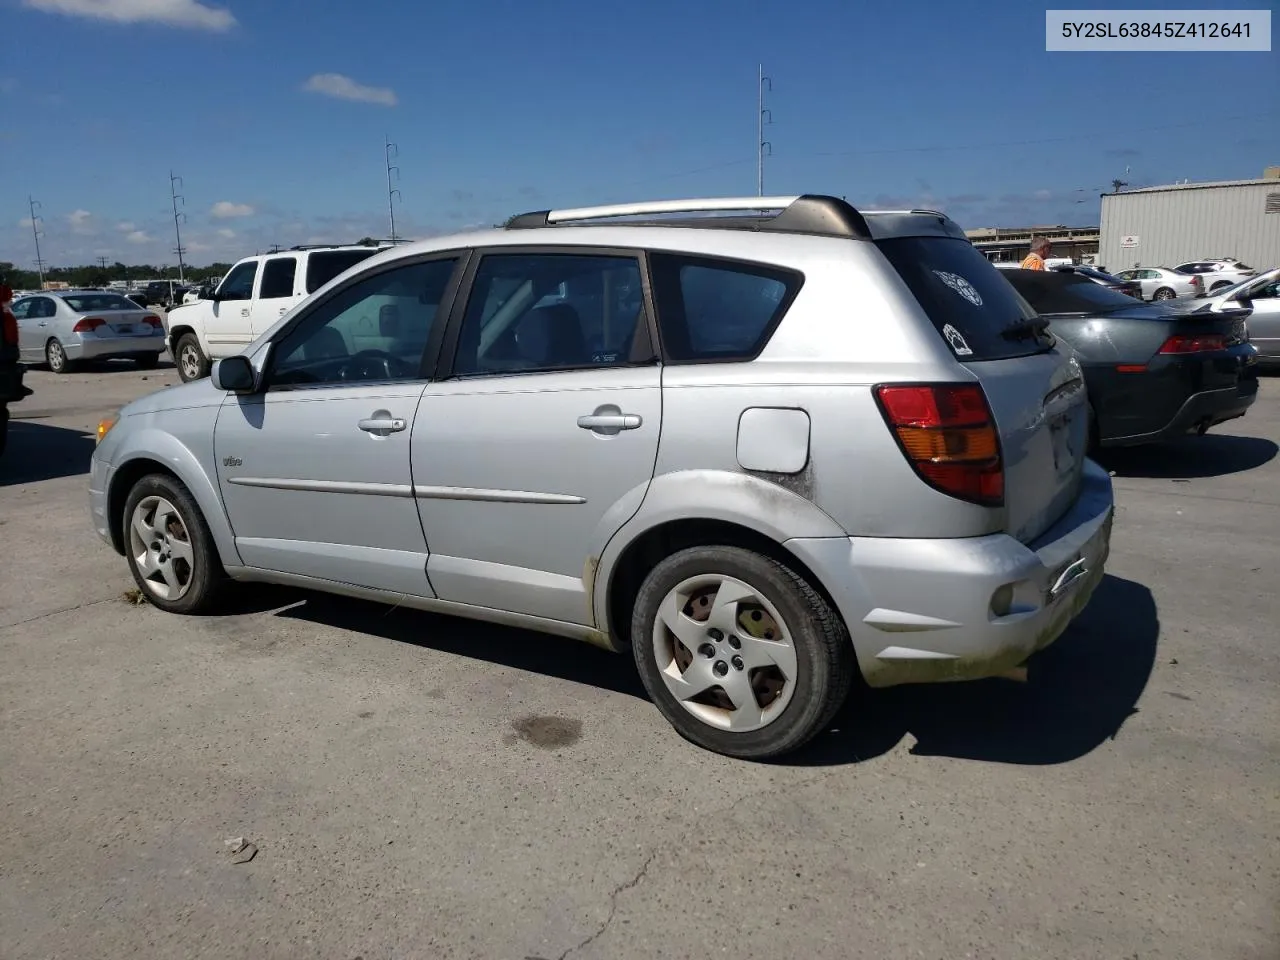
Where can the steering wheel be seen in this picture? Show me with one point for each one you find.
(375, 365)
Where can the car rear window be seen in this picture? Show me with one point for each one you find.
(1058, 293)
(98, 301)
(711, 309)
(324, 266)
(969, 301)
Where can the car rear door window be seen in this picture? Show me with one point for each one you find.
(718, 310)
(324, 265)
(552, 311)
(969, 302)
(277, 278)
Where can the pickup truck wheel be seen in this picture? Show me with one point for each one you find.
(192, 363)
(739, 652)
(169, 547)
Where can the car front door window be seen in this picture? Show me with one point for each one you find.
(375, 329)
(239, 282)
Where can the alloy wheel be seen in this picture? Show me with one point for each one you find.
(161, 548)
(189, 358)
(725, 653)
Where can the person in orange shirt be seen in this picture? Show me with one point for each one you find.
(1040, 248)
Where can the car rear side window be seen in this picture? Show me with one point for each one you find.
(969, 302)
(324, 266)
(710, 309)
(277, 278)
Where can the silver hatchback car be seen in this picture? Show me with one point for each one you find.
(63, 328)
(763, 445)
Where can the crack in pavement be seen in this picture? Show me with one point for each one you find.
(613, 907)
(54, 613)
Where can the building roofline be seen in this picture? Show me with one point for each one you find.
(1201, 185)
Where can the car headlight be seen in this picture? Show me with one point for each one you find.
(105, 425)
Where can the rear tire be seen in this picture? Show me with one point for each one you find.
(148, 361)
(1164, 293)
(774, 623)
(191, 361)
(169, 547)
(56, 357)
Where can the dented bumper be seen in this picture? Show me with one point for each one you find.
(924, 611)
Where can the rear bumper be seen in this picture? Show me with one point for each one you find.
(1205, 409)
(922, 611)
(103, 348)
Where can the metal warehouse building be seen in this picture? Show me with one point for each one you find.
(1165, 226)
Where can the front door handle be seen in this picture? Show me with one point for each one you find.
(244, 312)
(382, 425)
(611, 422)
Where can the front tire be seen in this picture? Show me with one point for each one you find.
(739, 652)
(1164, 293)
(56, 357)
(169, 547)
(192, 363)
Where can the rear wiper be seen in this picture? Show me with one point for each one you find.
(1025, 329)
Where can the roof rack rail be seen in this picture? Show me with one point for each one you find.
(814, 214)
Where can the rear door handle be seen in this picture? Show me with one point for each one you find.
(611, 421)
(381, 425)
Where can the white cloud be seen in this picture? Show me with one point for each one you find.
(225, 208)
(226, 234)
(126, 226)
(1043, 194)
(344, 88)
(139, 236)
(171, 13)
(79, 220)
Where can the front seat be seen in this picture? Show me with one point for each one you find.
(551, 336)
(325, 344)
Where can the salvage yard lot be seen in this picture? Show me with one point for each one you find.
(417, 786)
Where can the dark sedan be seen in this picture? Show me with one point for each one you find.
(1131, 288)
(1152, 373)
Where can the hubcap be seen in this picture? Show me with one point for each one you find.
(161, 548)
(190, 362)
(725, 653)
(55, 355)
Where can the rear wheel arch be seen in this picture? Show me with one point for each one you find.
(655, 544)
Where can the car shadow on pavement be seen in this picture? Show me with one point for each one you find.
(549, 655)
(1078, 694)
(1190, 458)
(37, 451)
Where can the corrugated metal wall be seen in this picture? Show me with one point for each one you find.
(1190, 223)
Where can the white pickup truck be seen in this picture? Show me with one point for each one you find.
(254, 294)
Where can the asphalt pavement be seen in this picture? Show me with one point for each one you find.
(404, 785)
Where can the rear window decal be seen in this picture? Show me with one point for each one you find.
(961, 286)
(955, 339)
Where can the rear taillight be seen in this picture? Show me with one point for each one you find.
(948, 434)
(88, 324)
(1187, 343)
(153, 321)
(1196, 281)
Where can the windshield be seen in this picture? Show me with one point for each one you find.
(967, 298)
(83, 303)
(1064, 293)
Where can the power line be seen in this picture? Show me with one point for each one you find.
(35, 235)
(392, 150)
(174, 183)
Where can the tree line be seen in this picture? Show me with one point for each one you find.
(99, 276)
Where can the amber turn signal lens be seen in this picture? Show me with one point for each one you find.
(104, 427)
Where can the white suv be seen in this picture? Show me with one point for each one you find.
(254, 294)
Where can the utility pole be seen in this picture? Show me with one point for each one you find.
(174, 183)
(35, 234)
(393, 151)
(762, 145)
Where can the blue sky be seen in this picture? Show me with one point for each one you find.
(274, 114)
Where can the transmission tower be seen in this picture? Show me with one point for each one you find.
(393, 152)
(178, 219)
(763, 116)
(32, 205)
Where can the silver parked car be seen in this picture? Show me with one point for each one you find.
(1217, 274)
(761, 446)
(63, 328)
(1161, 283)
(1262, 294)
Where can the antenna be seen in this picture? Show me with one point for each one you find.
(393, 152)
(35, 234)
(762, 145)
(178, 218)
